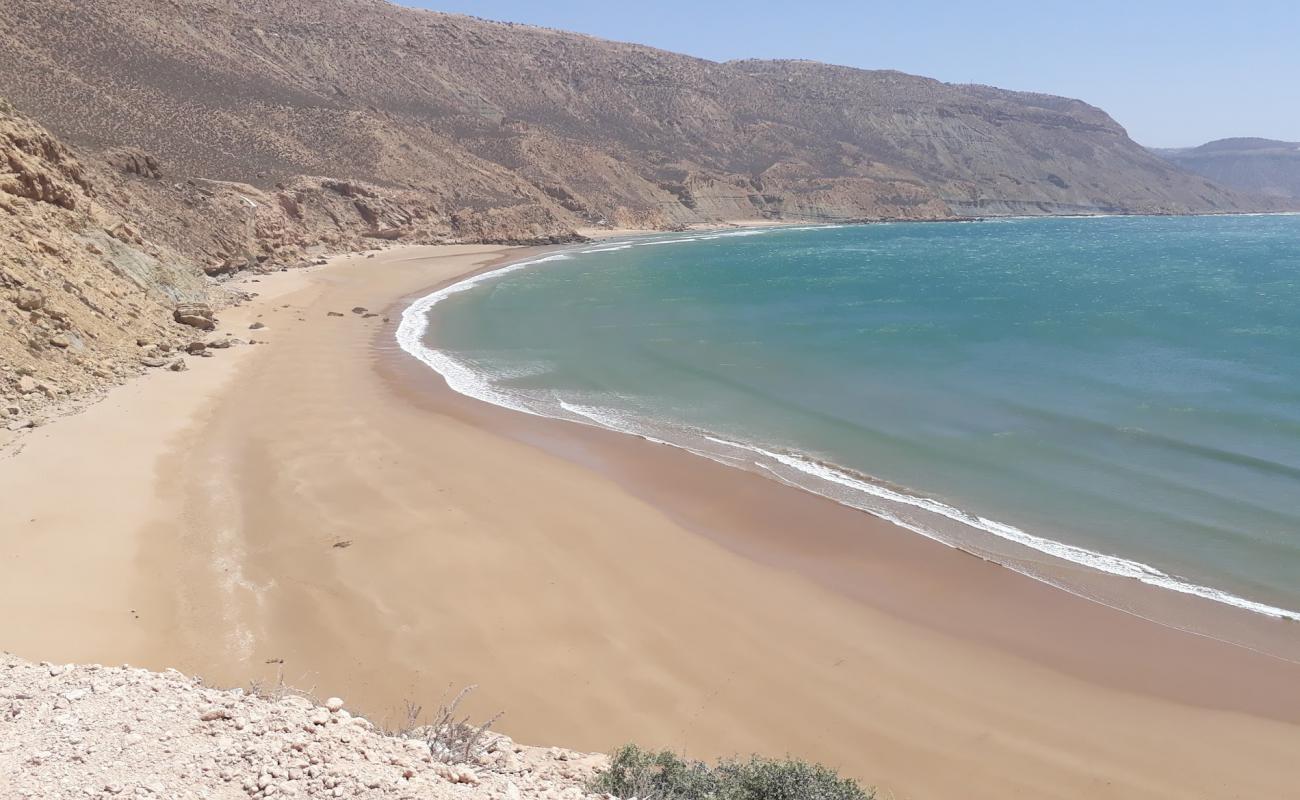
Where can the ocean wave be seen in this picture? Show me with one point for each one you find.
(701, 236)
(459, 375)
(466, 380)
(1101, 562)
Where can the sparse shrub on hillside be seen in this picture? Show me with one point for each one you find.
(451, 738)
(646, 775)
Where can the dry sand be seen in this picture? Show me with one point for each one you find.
(197, 520)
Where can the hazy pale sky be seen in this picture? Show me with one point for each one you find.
(1173, 73)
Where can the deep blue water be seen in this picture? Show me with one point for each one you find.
(1118, 392)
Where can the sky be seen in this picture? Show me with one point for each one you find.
(1175, 74)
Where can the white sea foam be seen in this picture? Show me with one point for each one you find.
(1102, 562)
(461, 377)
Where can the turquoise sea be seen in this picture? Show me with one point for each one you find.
(1118, 393)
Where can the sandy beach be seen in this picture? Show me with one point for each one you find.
(321, 506)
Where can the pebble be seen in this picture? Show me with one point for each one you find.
(162, 736)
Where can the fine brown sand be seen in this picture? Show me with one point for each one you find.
(598, 589)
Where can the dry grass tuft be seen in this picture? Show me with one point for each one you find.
(452, 738)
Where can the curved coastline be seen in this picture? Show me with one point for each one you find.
(860, 492)
(597, 588)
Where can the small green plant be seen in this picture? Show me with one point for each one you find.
(647, 775)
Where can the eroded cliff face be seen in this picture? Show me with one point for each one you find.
(78, 286)
(98, 250)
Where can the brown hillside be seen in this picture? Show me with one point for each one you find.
(477, 114)
(197, 138)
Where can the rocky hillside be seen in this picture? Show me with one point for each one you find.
(117, 732)
(79, 287)
(512, 130)
(1259, 166)
(150, 148)
(99, 248)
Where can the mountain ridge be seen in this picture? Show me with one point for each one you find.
(595, 129)
(1267, 167)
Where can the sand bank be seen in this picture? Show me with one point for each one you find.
(323, 504)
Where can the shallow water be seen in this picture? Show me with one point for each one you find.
(1121, 393)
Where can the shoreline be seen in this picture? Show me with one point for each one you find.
(641, 467)
(1153, 597)
(599, 233)
(312, 504)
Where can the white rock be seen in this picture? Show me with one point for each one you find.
(334, 703)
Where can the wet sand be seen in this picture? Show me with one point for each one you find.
(323, 503)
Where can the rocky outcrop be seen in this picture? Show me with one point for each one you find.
(78, 284)
(117, 732)
(195, 315)
(37, 167)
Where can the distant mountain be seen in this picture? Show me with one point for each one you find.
(1258, 166)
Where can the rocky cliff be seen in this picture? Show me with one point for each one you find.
(78, 285)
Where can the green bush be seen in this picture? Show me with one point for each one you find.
(634, 772)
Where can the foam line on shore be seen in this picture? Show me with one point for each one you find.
(464, 379)
(1101, 562)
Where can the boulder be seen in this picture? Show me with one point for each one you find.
(196, 315)
(30, 300)
(177, 366)
(195, 348)
(27, 384)
(150, 361)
